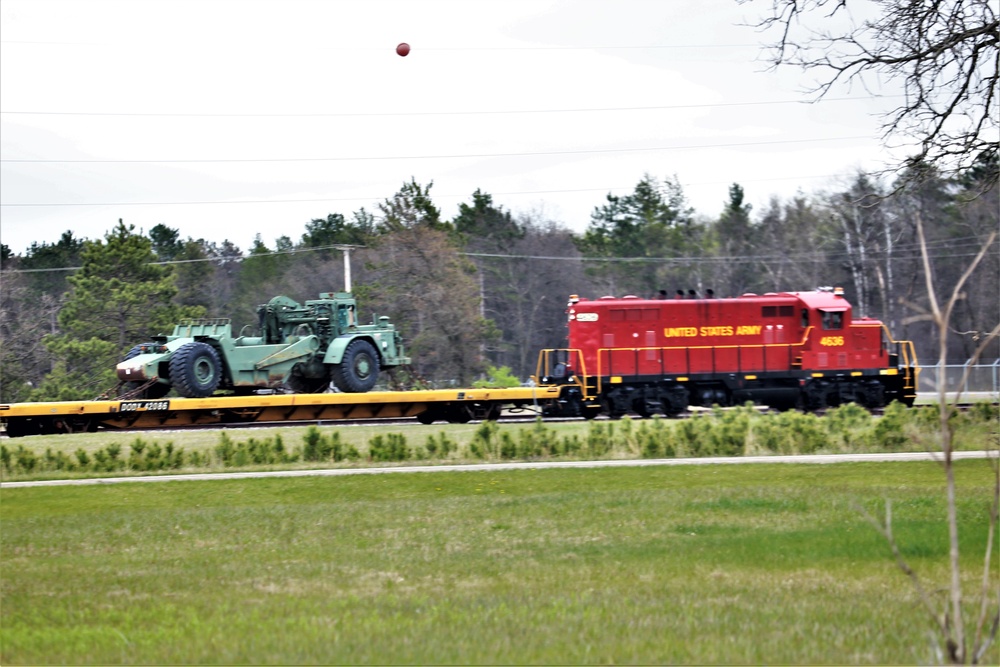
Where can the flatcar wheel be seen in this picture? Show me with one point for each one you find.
(429, 416)
(459, 415)
(18, 427)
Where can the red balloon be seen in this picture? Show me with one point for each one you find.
(403, 49)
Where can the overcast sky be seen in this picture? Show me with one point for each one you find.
(229, 119)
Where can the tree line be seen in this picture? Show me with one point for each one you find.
(488, 288)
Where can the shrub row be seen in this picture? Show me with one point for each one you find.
(317, 447)
(736, 432)
(739, 432)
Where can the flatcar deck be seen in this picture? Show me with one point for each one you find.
(457, 405)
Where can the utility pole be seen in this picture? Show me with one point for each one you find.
(347, 264)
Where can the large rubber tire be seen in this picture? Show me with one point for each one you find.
(357, 372)
(134, 352)
(195, 370)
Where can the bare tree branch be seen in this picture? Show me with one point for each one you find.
(981, 643)
(943, 55)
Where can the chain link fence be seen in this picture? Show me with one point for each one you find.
(982, 378)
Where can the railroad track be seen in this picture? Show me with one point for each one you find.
(522, 416)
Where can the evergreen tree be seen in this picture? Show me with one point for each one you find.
(60, 256)
(412, 207)
(118, 298)
(484, 226)
(640, 233)
(166, 242)
(336, 230)
(735, 274)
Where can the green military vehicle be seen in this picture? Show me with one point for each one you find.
(298, 347)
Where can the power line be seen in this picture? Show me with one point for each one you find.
(379, 114)
(364, 199)
(256, 45)
(935, 248)
(591, 151)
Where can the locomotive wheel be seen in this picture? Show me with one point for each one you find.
(357, 372)
(195, 370)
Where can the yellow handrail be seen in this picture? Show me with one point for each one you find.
(911, 371)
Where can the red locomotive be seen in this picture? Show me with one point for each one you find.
(787, 350)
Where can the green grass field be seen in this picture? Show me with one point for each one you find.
(714, 564)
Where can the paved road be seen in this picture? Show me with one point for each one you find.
(337, 472)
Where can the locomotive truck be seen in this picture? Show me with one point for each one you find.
(298, 347)
(785, 350)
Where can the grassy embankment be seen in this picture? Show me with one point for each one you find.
(715, 564)
(743, 431)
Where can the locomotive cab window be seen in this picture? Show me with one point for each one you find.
(832, 319)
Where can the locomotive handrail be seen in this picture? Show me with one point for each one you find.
(909, 354)
(578, 371)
